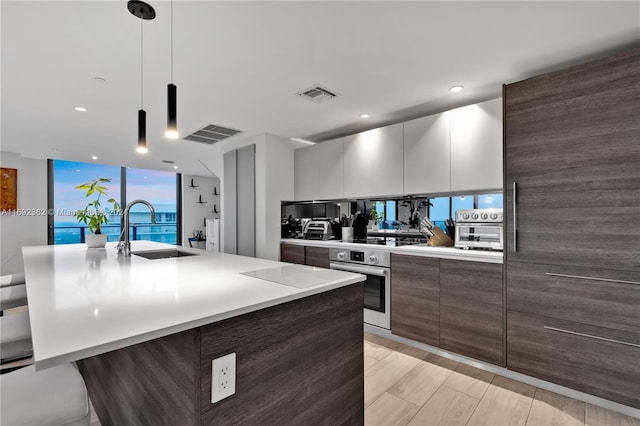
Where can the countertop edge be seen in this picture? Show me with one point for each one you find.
(449, 253)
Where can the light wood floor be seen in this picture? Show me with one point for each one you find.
(407, 386)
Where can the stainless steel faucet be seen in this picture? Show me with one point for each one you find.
(124, 246)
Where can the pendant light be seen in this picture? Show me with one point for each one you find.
(143, 11)
(172, 108)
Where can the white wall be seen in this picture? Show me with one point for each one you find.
(194, 213)
(274, 183)
(21, 230)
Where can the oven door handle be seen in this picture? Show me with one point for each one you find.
(359, 269)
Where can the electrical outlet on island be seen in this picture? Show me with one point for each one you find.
(223, 383)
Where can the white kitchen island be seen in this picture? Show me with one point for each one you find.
(145, 332)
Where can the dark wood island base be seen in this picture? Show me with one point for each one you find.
(301, 362)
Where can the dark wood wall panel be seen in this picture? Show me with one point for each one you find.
(297, 363)
(317, 256)
(415, 298)
(571, 145)
(152, 383)
(598, 367)
(292, 253)
(471, 309)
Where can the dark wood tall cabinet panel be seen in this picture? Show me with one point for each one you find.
(415, 298)
(471, 309)
(572, 152)
(572, 205)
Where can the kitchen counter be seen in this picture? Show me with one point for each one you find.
(452, 253)
(84, 302)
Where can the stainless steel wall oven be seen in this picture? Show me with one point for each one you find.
(376, 266)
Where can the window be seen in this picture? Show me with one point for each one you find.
(445, 207)
(159, 188)
(67, 199)
(462, 202)
(439, 211)
(490, 201)
(387, 209)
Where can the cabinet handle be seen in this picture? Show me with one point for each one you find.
(591, 336)
(515, 213)
(551, 274)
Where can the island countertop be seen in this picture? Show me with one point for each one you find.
(84, 302)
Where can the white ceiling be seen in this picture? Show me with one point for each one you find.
(239, 64)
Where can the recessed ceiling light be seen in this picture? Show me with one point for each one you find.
(175, 167)
(94, 157)
(456, 89)
(364, 115)
(80, 108)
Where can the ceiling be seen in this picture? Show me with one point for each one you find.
(239, 64)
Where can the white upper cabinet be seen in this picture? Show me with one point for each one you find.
(305, 174)
(330, 159)
(373, 163)
(476, 147)
(318, 171)
(426, 155)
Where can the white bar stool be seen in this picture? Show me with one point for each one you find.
(54, 396)
(13, 296)
(12, 279)
(15, 337)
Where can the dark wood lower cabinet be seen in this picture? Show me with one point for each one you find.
(292, 253)
(590, 359)
(598, 297)
(301, 362)
(471, 309)
(317, 256)
(415, 298)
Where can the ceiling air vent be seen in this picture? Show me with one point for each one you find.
(212, 134)
(318, 94)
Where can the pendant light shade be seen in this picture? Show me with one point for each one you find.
(142, 132)
(172, 112)
(144, 12)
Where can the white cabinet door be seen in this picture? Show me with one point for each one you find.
(305, 172)
(427, 155)
(330, 160)
(373, 163)
(318, 171)
(476, 147)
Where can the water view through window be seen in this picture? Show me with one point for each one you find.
(157, 187)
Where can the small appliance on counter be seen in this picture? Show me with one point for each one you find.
(319, 229)
(479, 228)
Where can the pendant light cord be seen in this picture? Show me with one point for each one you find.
(141, 65)
(171, 41)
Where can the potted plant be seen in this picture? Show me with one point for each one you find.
(93, 213)
(376, 218)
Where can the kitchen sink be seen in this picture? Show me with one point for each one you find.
(163, 254)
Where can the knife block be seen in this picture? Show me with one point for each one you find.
(439, 239)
